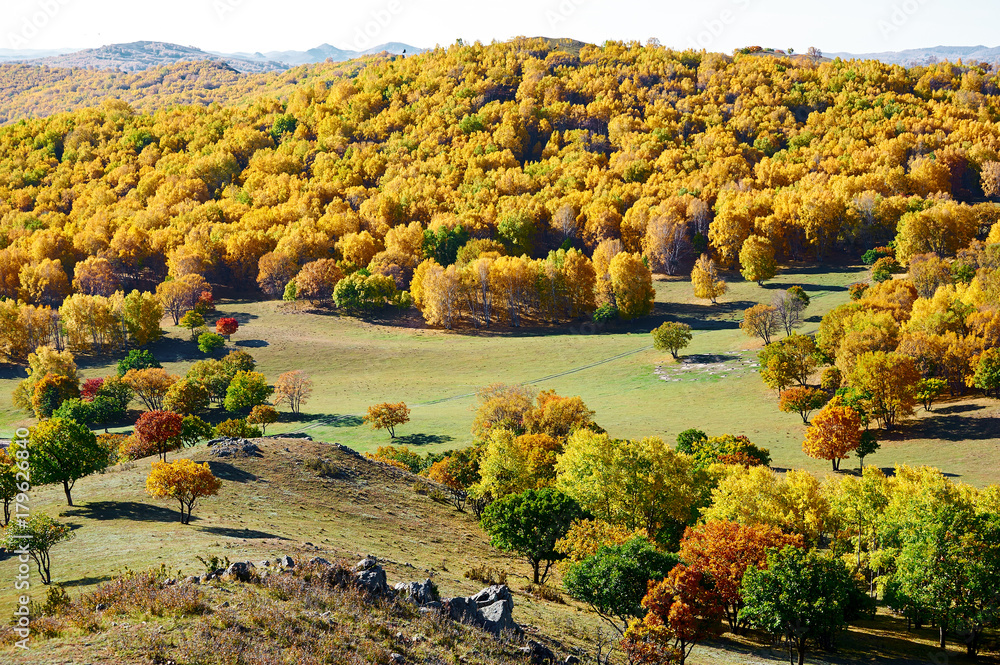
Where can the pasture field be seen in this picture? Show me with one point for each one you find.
(635, 390)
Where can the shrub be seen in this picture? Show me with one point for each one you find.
(236, 428)
(132, 448)
(209, 343)
(263, 415)
(246, 390)
(831, 380)
(486, 575)
(857, 290)
(605, 313)
(137, 359)
(885, 268)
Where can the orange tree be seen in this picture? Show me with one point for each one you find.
(262, 415)
(802, 400)
(293, 387)
(387, 416)
(160, 430)
(682, 610)
(184, 481)
(725, 551)
(835, 432)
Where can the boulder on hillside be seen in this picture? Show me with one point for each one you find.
(240, 571)
(371, 577)
(420, 593)
(491, 609)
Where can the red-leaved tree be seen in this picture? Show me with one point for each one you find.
(682, 611)
(725, 551)
(161, 429)
(227, 326)
(89, 389)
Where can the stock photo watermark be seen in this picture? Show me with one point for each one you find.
(365, 35)
(899, 15)
(31, 24)
(714, 27)
(22, 512)
(562, 12)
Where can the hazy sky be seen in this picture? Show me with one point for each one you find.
(262, 25)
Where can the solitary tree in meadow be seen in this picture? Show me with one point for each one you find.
(62, 451)
(387, 416)
(227, 326)
(184, 481)
(672, 336)
(39, 533)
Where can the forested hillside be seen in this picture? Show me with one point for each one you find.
(386, 162)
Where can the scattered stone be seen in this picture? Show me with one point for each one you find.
(538, 654)
(490, 609)
(234, 448)
(397, 658)
(571, 660)
(366, 563)
(241, 571)
(373, 580)
(169, 581)
(319, 561)
(194, 579)
(100, 607)
(286, 562)
(420, 593)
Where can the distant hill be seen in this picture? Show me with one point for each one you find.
(10, 54)
(926, 56)
(138, 56)
(325, 52)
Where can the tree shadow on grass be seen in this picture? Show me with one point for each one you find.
(229, 532)
(226, 471)
(328, 419)
(132, 511)
(252, 343)
(952, 427)
(423, 439)
(706, 358)
(88, 580)
(784, 286)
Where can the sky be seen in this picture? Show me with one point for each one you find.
(855, 26)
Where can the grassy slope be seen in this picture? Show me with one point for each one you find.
(276, 505)
(356, 363)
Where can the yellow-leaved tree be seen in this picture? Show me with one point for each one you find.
(632, 284)
(184, 481)
(640, 484)
(706, 280)
(757, 260)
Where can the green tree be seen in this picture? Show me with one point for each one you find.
(869, 445)
(39, 533)
(800, 595)
(192, 321)
(8, 483)
(530, 524)
(194, 430)
(246, 390)
(614, 581)
(987, 375)
(671, 336)
(137, 359)
(62, 451)
(210, 342)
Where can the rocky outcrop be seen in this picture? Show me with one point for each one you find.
(371, 577)
(491, 609)
(239, 571)
(421, 593)
(226, 447)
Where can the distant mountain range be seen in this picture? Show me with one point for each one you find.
(926, 56)
(138, 56)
